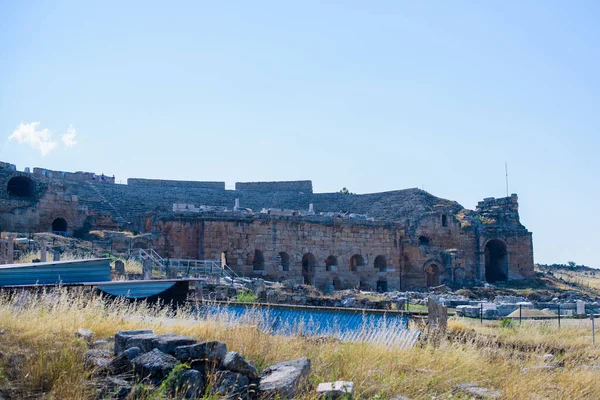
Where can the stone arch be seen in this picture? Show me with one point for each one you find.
(356, 261)
(258, 261)
(432, 273)
(308, 268)
(60, 225)
(330, 261)
(380, 263)
(21, 186)
(284, 261)
(496, 261)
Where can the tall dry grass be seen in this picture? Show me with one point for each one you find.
(43, 326)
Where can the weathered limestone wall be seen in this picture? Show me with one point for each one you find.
(199, 238)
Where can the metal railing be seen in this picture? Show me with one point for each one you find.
(183, 266)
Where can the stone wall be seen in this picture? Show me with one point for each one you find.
(160, 183)
(239, 238)
(289, 186)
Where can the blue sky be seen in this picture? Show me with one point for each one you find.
(374, 96)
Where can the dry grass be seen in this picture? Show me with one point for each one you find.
(42, 327)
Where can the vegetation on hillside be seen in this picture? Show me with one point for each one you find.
(490, 355)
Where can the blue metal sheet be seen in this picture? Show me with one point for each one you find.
(49, 273)
(383, 328)
(135, 290)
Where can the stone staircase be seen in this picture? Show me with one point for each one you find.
(105, 205)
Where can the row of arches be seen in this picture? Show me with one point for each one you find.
(309, 261)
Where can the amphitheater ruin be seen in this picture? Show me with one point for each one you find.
(394, 240)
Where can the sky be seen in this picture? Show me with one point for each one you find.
(372, 96)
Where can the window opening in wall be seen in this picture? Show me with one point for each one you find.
(356, 261)
(380, 263)
(284, 261)
(444, 220)
(308, 268)
(258, 261)
(331, 261)
(423, 241)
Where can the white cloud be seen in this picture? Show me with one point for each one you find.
(69, 137)
(38, 139)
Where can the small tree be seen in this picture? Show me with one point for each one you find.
(572, 264)
(346, 192)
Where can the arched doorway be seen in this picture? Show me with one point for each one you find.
(433, 275)
(308, 268)
(331, 261)
(284, 261)
(20, 186)
(258, 261)
(382, 285)
(496, 261)
(59, 225)
(356, 261)
(380, 263)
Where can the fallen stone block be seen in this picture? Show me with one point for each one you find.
(122, 336)
(230, 385)
(284, 380)
(191, 384)
(336, 390)
(207, 354)
(85, 334)
(154, 365)
(145, 342)
(122, 363)
(477, 392)
(234, 362)
(168, 343)
(97, 359)
(115, 388)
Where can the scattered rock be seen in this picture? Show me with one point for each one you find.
(336, 390)
(168, 343)
(15, 365)
(97, 359)
(122, 363)
(85, 334)
(144, 341)
(100, 343)
(284, 380)
(231, 385)
(537, 368)
(122, 336)
(209, 354)
(548, 357)
(233, 361)
(191, 384)
(154, 365)
(115, 388)
(477, 392)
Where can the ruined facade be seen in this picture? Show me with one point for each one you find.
(282, 230)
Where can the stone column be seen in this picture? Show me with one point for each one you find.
(43, 250)
(147, 265)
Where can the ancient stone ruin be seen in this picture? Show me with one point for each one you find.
(283, 231)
